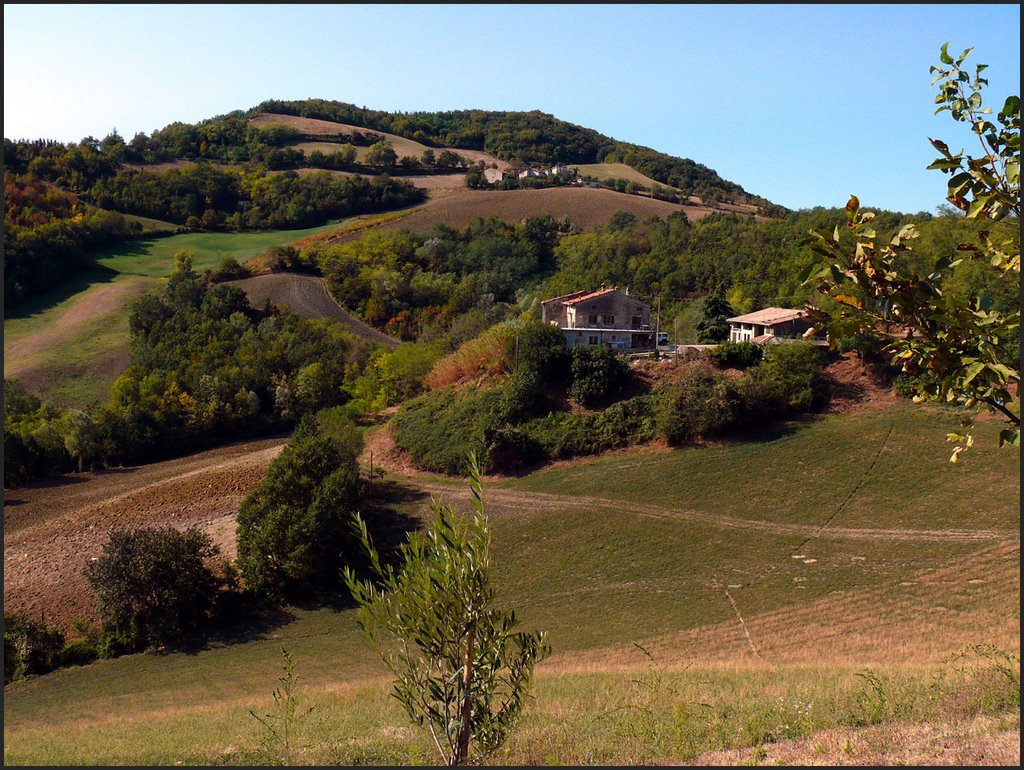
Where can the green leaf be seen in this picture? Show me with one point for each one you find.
(944, 56)
(1010, 437)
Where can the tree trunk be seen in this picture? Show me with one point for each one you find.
(466, 709)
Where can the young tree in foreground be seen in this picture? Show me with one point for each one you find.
(960, 352)
(461, 670)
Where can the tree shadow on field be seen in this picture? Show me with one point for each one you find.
(766, 434)
(252, 625)
(388, 508)
(78, 282)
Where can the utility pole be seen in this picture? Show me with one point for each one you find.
(657, 326)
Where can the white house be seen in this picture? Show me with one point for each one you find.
(769, 325)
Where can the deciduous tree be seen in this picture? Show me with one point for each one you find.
(959, 351)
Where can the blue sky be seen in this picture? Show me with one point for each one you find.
(802, 104)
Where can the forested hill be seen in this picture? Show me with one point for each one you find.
(527, 137)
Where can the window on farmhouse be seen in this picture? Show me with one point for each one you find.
(593, 339)
(609, 318)
(593, 318)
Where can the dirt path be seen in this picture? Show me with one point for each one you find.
(52, 529)
(508, 500)
(386, 455)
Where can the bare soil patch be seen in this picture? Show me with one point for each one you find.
(51, 529)
(858, 384)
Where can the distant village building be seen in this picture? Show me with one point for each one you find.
(546, 173)
(606, 316)
(493, 175)
(772, 324)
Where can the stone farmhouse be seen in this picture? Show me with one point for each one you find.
(770, 325)
(606, 316)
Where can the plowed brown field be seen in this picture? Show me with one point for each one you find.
(52, 529)
(587, 207)
(307, 297)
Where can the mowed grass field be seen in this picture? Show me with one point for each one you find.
(155, 257)
(764, 577)
(69, 346)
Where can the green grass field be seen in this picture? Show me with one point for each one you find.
(903, 559)
(155, 257)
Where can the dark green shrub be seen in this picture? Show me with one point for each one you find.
(737, 355)
(293, 529)
(30, 647)
(154, 586)
(792, 374)
(439, 429)
(523, 396)
(80, 652)
(538, 348)
(701, 404)
(510, 449)
(905, 385)
(598, 375)
(562, 434)
(229, 269)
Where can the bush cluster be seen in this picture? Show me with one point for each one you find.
(737, 355)
(598, 375)
(706, 402)
(294, 532)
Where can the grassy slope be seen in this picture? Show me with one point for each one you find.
(633, 547)
(156, 257)
(69, 346)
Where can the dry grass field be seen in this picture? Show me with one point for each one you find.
(587, 207)
(313, 128)
(602, 171)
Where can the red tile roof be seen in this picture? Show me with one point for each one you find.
(769, 316)
(564, 296)
(591, 295)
